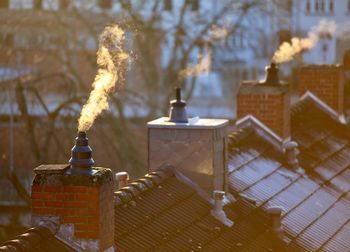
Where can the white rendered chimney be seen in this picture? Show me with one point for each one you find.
(122, 178)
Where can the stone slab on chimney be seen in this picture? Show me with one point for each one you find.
(83, 204)
(326, 82)
(198, 150)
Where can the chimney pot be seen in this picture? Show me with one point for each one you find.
(292, 152)
(218, 211)
(271, 75)
(81, 160)
(178, 109)
(218, 200)
(275, 213)
(122, 178)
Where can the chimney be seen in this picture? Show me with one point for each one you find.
(77, 196)
(326, 82)
(268, 101)
(275, 213)
(122, 179)
(218, 211)
(177, 109)
(196, 147)
(292, 152)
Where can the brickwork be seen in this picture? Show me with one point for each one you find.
(326, 82)
(272, 109)
(198, 153)
(86, 201)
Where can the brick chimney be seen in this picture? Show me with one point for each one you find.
(326, 82)
(268, 101)
(79, 197)
(196, 147)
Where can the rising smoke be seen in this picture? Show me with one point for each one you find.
(202, 67)
(110, 58)
(288, 50)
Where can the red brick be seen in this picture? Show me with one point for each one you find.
(77, 189)
(60, 196)
(43, 210)
(75, 204)
(271, 110)
(53, 203)
(37, 188)
(37, 203)
(326, 82)
(65, 196)
(66, 212)
(85, 197)
(43, 195)
(86, 227)
(74, 219)
(53, 188)
(91, 211)
(86, 234)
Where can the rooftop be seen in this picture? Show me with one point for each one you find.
(164, 211)
(316, 197)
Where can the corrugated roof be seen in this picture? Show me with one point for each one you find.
(171, 216)
(317, 205)
(36, 239)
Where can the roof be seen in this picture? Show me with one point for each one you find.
(163, 212)
(317, 204)
(36, 239)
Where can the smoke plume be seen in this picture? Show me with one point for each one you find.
(288, 50)
(202, 67)
(216, 33)
(110, 57)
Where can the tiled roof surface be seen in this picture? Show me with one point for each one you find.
(36, 239)
(317, 205)
(161, 213)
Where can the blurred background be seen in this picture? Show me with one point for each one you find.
(48, 62)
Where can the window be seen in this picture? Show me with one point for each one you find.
(308, 6)
(168, 5)
(317, 6)
(105, 4)
(37, 4)
(64, 4)
(322, 5)
(4, 4)
(331, 6)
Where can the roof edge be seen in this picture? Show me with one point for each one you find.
(324, 107)
(263, 131)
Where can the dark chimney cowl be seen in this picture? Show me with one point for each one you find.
(271, 75)
(81, 160)
(178, 109)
